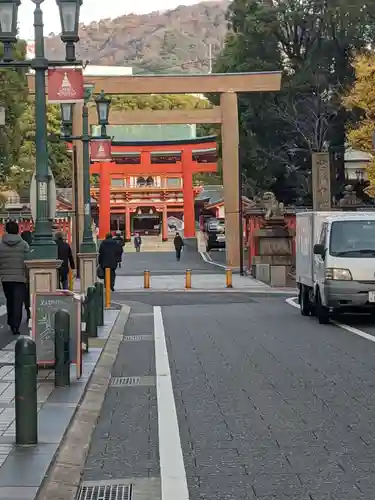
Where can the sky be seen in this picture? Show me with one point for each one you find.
(91, 10)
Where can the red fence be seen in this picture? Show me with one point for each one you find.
(254, 221)
(63, 225)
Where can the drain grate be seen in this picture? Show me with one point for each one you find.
(137, 338)
(105, 492)
(132, 381)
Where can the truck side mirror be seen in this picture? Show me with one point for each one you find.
(319, 249)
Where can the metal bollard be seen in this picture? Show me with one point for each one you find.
(91, 324)
(26, 371)
(188, 278)
(62, 348)
(99, 296)
(70, 276)
(229, 278)
(107, 282)
(146, 279)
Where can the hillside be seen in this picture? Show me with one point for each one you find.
(160, 42)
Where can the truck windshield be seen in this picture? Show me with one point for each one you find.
(352, 238)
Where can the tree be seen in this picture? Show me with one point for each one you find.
(313, 44)
(13, 94)
(361, 102)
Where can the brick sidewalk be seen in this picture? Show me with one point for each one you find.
(22, 470)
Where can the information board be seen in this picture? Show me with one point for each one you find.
(45, 306)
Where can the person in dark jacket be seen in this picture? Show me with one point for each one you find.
(64, 253)
(137, 242)
(13, 253)
(28, 237)
(178, 244)
(109, 255)
(120, 240)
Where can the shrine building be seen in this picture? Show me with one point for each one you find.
(147, 187)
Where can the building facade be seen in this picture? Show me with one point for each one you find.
(148, 186)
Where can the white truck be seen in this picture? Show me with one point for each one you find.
(335, 262)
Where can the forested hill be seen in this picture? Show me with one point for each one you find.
(160, 42)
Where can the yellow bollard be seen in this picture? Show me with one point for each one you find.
(146, 279)
(228, 278)
(188, 278)
(70, 280)
(107, 284)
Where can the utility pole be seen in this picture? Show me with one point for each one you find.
(210, 58)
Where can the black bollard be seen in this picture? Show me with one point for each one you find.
(99, 289)
(91, 323)
(84, 334)
(26, 371)
(62, 348)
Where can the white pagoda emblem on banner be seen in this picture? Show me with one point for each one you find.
(66, 89)
(101, 150)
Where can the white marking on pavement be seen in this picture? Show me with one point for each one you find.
(3, 310)
(292, 302)
(209, 260)
(172, 469)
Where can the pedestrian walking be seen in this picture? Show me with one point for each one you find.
(178, 245)
(109, 255)
(27, 236)
(13, 253)
(120, 240)
(64, 253)
(137, 242)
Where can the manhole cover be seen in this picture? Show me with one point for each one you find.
(105, 492)
(132, 381)
(137, 338)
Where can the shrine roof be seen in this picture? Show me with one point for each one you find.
(148, 133)
(173, 142)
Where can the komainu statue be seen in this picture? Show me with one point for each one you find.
(274, 209)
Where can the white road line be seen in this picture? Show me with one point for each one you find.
(172, 469)
(3, 310)
(209, 260)
(292, 302)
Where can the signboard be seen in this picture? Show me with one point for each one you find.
(101, 149)
(47, 192)
(45, 306)
(65, 85)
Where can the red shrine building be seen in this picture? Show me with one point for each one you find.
(148, 186)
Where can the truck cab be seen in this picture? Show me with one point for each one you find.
(342, 274)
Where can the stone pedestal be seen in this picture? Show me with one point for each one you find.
(274, 251)
(88, 265)
(43, 275)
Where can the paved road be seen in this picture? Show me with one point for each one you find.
(270, 405)
(164, 263)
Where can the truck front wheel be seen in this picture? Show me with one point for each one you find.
(322, 312)
(304, 301)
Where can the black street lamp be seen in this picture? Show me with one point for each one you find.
(103, 104)
(43, 244)
(103, 107)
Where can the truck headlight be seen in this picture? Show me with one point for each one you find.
(338, 274)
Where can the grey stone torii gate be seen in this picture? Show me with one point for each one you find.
(227, 85)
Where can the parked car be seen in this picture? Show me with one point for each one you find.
(215, 234)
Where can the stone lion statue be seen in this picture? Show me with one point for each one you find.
(274, 209)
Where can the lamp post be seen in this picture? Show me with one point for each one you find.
(44, 247)
(103, 106)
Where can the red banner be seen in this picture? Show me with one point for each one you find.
(101, 150)
(65, 85)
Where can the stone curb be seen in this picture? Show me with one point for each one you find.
(64, 475)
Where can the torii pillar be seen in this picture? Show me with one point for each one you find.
(230, 143)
